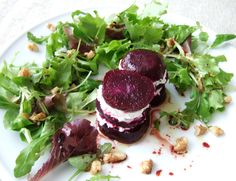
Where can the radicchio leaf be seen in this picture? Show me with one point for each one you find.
(187, 45)
(75, 138)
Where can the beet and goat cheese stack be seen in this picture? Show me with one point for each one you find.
(123, 105)
(148, 63)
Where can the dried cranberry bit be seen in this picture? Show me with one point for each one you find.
(158, 172)
(206, 145)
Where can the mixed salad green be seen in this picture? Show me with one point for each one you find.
(39, 99)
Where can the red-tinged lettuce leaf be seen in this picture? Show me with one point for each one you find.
(75, 138)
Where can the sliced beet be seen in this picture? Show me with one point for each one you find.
(145, 62)
(123, 124)
(128, 136)
(127, 90)
(159, 99)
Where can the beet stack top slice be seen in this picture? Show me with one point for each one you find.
(145, 62)
(127, 90)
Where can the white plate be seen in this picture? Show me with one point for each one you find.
(199, 163)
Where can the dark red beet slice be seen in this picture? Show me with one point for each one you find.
(127, 90)
(159, 99)
(123, 124)
(145, 62)
(128, 136)
(115, 31)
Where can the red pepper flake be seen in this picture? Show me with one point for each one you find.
(154, 152)
(162, 144)
(129, 167)
(206, 145)
(159, 151)
(158, 172)
(171, 173)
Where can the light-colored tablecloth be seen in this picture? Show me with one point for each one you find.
(17, 16)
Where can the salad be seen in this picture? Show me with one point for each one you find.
(43, 103)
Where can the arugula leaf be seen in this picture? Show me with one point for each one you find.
(203, 36)
(38, 40)
(105, 148)
(179, 32)
(56, 41)
(29, 155)
(91, 29)
(83, 99)
(8, 85)
(6, 104)
(9, 116)
(109, 54)
(221, 38)
(82, 162)
(99, 177)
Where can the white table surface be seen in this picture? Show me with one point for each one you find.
(17, 16)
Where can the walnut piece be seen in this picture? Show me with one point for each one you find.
(170, 42)
(114, 157)
(33, 47)
(228, 99)
(55, 90)
(38, 117)
(181, 145)
(96, 167)
(217, 131)
(146, 166)
(89, 54)
(24, 72)
(51, 27)
(200, 130)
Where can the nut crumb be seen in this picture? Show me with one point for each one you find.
(228, 99)
(24, 72)
(33, 47)
(114, 157)
(89, 54)
(38, 117)
(170, 42)
(51, 27)
(96, 167)
(146, 166)
(217, 131)
(181, 145)
(200, 130)
(55, 90)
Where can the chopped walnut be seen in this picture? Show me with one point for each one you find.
(70, 52)
(200, 130)
(89, 54)
(146, 166)
(38, 117)
(228, 99)
(25, 115)
(170, 42)
(33, 47)
(217, 131)
(51, 27)
(114, 157)
(96, 167)
(24, 72)
(181, 145)
(55, 90)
